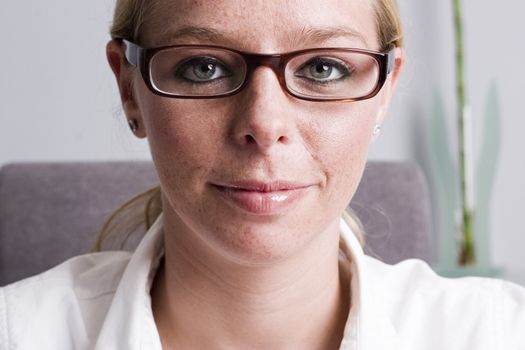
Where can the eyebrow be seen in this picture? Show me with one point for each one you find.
(321, 35)
(306, 36)
(204, 34)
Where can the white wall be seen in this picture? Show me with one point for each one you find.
(493, 33)
(58, 100)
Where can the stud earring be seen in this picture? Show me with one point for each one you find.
(133, 125)
(377, 129)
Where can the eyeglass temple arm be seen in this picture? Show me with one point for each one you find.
(131, 51)
(391, 60)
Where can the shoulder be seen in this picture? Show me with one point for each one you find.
(87, 276)
(468, 310)
(67, 301)
(416, 277)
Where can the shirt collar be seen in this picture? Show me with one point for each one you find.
(368, 327)
(129, 323)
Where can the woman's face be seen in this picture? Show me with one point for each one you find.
(260, 174)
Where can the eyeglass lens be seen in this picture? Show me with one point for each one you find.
(322, 74)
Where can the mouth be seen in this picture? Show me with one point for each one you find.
(262, 198)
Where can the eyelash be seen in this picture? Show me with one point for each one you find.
(345, 70)
(195, 61)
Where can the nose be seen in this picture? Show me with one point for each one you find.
(263, 113)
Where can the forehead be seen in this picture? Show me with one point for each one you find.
(261, 25)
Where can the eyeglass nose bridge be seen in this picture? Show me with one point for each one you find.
(275, 62)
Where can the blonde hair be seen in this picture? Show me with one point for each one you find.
(130, 15)
(145, 208)
(388, 24)
(139, 211)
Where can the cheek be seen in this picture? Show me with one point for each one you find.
(182, 141)
(339, 143)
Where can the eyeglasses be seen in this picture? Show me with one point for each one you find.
(201, 71)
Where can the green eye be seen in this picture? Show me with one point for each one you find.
(202, 69)
(320, 69)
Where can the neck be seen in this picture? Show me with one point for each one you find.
(200, 301)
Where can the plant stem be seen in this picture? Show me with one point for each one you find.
(466, 253)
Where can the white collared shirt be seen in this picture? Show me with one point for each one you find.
(101, 301)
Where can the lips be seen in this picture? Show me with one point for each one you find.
(262, 198)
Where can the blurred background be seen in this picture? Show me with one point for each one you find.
(58, 102)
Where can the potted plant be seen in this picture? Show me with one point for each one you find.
(472, 256)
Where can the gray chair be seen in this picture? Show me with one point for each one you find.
(50, 212)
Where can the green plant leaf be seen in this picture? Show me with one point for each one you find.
(445, 182)
(486, 172)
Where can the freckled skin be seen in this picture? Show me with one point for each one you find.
(195, 142)
(232, 278)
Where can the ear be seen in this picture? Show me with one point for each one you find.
(390, 86)
(399, 64)
(124, 74)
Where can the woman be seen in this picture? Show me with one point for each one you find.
(259, 115)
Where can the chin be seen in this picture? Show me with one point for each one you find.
(259, 243)
(243, 237)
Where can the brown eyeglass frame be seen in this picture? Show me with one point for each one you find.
(140, 57)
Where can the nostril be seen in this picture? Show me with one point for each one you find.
(249, 139)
